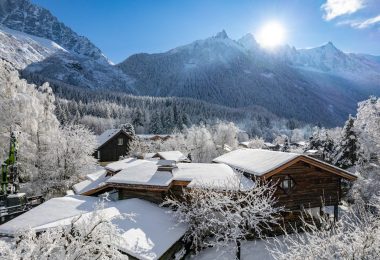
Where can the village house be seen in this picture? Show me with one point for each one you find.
(153, 180)
(111, 145)
(303, 182)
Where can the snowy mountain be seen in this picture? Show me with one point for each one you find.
(23, 16)
(328, 58)
(22, 49)
(316, 85)
(49, 60)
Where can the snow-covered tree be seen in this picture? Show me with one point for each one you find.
(286, 146)
(366, 187)
(201, 144)
(367, 124)
(280, 139)
(355, 236)
(128, 128)
(49, 155)
(323, 141)
(348, 149)
(218, 216)
(256, 143)
(225, 135)
(88, 237)
(155, 126)
(297, 135)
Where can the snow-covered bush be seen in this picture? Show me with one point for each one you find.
(355, 236)
(88, 237)
(366, 187)
(256, 143)
(223, 215)
(200, 144)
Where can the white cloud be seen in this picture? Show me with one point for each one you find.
(365, 23)
(335, 8)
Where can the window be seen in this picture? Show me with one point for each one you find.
(120, 141)
(98, 154)
(287, 184)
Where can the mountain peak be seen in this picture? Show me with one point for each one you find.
(330, 46)
(221, 35)
(248, 41)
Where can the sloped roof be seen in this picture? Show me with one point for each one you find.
(142, 172)
(107, 135)
(210, 175)
(120, 165)
(261, 162)
(172, 155)
(93, 181)
(147, 234)
(255, 161)
(146, 172)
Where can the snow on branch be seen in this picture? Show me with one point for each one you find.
(219, 216)
(91, 236)
(355, 236)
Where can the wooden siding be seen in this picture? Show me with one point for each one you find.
(111, 151)
(312, 186)
(155, 196)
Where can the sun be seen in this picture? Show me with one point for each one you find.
(271, 35)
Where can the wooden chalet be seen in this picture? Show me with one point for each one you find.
(112, 144)
(303, 182)
(153, 180)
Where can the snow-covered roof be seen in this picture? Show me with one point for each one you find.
(149, 155)
(93, 181)
(106, 136)
(244, 143)
(162, 173)
(210, 175)
(142, 172)
(120, 165)
(172, 155)
(312, 151)
(147, 233)
(255, 161)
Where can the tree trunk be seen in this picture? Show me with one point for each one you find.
(238, 251)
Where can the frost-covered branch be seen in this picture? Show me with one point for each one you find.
(355, 236)
(91, 236)
(219, 216)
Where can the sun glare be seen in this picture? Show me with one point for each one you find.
(271, 35)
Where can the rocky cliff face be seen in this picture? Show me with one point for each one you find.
(23, 16)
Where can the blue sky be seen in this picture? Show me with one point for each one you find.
(124, 27)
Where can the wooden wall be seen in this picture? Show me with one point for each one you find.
(153, 195)
(311, 186)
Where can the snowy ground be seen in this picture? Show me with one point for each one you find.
(249, 250)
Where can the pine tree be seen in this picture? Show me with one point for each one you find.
(155, 126)
(348, 149)
(286, 146)
(128, 128)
